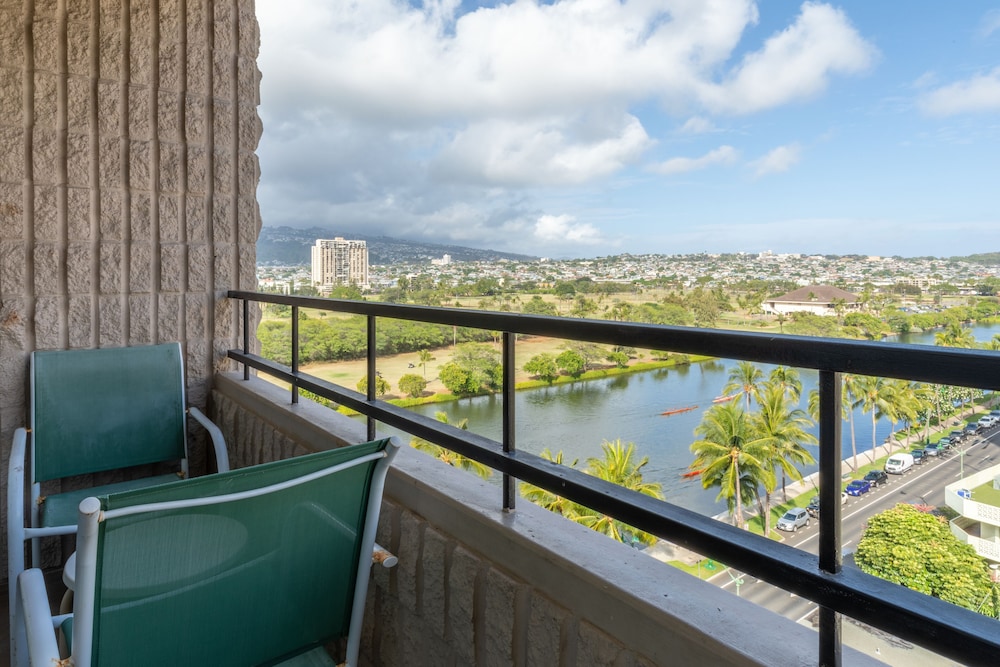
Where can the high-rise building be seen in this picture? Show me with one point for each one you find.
(339, 262)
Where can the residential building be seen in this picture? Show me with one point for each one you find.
(976, 498)
(815, 299)
(339, 261)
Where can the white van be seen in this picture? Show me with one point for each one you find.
(897, 464)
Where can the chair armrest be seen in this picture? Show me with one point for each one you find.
(15, 540)
(218, 441)
(43, 648)
(384, 557)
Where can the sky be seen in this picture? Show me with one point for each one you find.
(586, 128)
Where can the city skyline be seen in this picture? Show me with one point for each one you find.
(577, 129)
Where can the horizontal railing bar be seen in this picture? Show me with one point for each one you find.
(925, 363)
(944, 628)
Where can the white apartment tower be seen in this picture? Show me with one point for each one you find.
(339, 262)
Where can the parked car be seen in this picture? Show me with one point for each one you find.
(897, 464)
(858, 486)
(987, 422)
(794, 519)
(931, 450)
(918, 455)
(877, 478)
(944, 444)
(813, 506)
(995, 413)
(956, 437)
(972, 429)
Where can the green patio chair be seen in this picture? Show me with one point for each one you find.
(257, 566)
(94, 411)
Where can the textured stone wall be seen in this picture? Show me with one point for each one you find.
(128, 179)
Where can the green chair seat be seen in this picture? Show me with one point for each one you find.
(61, 509)
(318, 657)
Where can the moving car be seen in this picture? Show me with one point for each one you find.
(858, 486)
(877, 478)
(794, 519)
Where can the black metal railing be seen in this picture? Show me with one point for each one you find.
(943, 628)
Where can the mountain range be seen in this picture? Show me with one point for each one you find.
(289, 246)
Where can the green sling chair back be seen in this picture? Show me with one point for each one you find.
(92, 411)
(256, 566)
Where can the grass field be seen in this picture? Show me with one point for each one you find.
(392, 367)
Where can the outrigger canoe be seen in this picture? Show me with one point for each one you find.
(667, 413)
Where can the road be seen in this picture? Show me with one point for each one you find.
(923, 484)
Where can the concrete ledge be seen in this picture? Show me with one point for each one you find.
(477, 585)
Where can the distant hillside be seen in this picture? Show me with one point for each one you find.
(985, 258)
(290, 246)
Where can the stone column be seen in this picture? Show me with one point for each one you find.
(128, 179)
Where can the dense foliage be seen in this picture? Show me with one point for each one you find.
(339, 339)
(618, 465)
(475, 368)
(917, 550)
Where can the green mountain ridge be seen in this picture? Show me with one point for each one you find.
(290, 246)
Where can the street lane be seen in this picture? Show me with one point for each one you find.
(922, 484)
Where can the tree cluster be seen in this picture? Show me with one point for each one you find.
(916, 549)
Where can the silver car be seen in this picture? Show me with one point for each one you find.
(794, 519)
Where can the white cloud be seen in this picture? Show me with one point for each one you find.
(979, 94)
(430, 118)
(777, 160)
(563, 228)
(795, 64)
(697, 125)
(546, 152)
(990, 23)
(723, 155)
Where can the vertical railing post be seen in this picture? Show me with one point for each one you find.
(509, 369)
(246, 337)
(371, 373)
(830, 463)
(295, 353)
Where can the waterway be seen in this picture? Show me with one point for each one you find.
(576, 418)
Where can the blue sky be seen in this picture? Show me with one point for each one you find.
(593, 127)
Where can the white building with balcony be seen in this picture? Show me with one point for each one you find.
(976, 498)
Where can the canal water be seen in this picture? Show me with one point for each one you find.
(576, 418)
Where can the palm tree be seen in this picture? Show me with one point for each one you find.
(731, 455)
(425, 356)
(745, 378)
(618, 467)
(875, 395)
(839, 306)
(955, 335)
(453, 459)
(784, 430)
(547, 499)
(788, 380)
